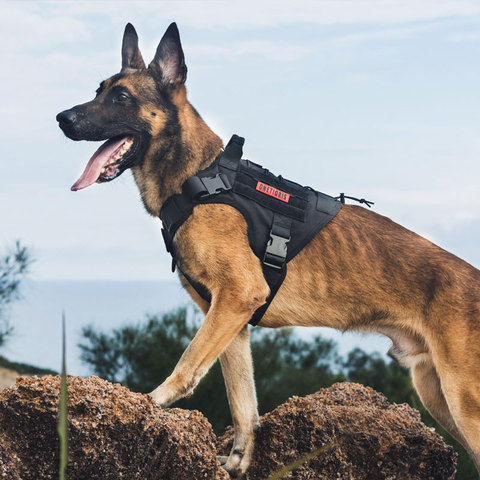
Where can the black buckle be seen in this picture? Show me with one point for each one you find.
(276, 251)
(217, 184)
(199, 188)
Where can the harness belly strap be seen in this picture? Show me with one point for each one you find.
(282, 216)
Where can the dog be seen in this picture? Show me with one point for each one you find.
(361, 272)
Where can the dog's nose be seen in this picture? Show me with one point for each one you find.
(67, 117)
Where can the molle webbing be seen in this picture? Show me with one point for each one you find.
(282, 216)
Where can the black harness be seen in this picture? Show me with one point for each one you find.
(282, 216)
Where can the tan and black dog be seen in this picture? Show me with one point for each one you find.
(399, 284)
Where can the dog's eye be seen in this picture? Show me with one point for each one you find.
(121, 98)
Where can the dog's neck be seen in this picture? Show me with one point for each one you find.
(176, 157)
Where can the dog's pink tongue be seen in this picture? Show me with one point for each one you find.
(94, 166)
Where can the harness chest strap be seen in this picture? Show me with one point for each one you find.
(282, 216)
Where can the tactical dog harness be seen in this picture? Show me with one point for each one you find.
(282, 216)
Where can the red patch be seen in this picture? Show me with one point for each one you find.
(273, 192)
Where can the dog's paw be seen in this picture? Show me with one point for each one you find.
(237, 463)
(161, 396)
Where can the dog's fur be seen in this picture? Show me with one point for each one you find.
(361, 272)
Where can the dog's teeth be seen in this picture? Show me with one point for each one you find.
(122, 150)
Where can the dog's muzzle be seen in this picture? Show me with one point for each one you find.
(76, 125)
(66, 118)
(69, 123)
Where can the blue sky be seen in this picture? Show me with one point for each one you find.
(375, 99)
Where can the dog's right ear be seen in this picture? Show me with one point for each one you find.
(131, 56)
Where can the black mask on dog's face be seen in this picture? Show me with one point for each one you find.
(128, 109)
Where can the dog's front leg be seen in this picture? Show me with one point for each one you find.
(237, 370)
(226, 317)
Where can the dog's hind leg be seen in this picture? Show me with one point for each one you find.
(237, 368)
(412, 352)
(460, 386)
(427, 384)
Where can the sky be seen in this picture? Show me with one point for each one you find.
(377, 99)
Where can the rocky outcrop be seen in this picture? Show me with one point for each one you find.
(345, 432)
(348, 431)
(113, 434)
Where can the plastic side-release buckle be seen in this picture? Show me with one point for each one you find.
(203, 187)
(276, 250)
(217, 184)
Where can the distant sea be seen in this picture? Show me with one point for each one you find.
(107, 305)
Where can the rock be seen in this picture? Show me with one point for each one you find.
(352, 432)
(113, 434)
(355, 433)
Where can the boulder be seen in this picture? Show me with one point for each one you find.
(343, 432)
(347, 432)
(113, 434)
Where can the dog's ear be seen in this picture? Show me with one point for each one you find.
(169, 62)
(131, 56)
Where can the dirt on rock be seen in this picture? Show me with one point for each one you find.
(349, 431)
(353, 433)
(113, 434)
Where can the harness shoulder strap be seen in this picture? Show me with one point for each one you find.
(274, 263)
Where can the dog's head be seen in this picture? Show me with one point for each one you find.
(129, 108)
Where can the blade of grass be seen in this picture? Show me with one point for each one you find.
(62, 422)
(297, 463)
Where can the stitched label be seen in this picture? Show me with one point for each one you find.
(273, 192)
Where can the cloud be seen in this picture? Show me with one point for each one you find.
(276, 51)
(68, 18)
(289, 50)
(272, 13)
(26, 25)
(461, 240)
(465, 37)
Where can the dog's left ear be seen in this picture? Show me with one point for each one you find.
(131, 56)
(169, 62)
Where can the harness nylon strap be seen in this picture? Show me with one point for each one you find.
(274, 261)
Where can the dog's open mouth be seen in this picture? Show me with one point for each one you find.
(107, 163)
